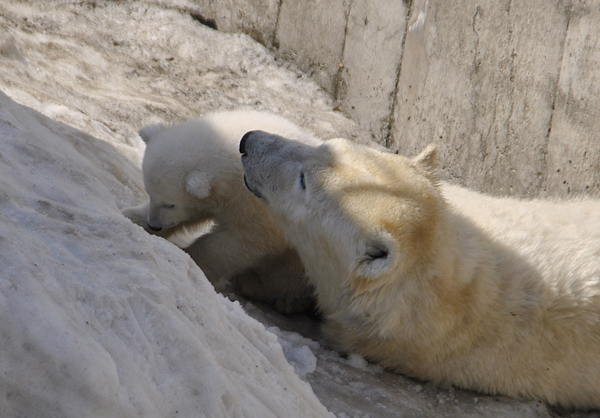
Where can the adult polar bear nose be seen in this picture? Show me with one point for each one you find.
(243, 142)
(254, 139)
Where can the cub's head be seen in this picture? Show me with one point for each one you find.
(179, 166)
(355, 214)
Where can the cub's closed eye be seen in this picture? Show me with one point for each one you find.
(169, 206)
(302, 181)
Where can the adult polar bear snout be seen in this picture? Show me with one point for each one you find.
(244, 154)
(260, 157)
(252, 135)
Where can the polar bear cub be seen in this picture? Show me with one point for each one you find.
(436, 282)
(193, 175)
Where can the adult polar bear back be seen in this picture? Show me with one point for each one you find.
(437, 282)
(193, 175)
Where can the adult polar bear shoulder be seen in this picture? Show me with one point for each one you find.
(193, 175)
(434, 281)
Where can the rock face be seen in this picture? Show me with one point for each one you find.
(95, 314)
(508, 89)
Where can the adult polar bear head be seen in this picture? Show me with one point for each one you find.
(379, 209)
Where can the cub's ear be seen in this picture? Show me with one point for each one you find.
(427, 162)
(149, 132)
(198, 184)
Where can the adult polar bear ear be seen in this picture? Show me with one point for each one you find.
(373, 263)
(427, 163)
(378, 254)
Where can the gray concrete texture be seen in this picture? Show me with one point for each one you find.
(509, 90)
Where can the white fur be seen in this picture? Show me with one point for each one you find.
(193, 175)
(437, 282)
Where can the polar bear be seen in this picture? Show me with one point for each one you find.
(434, 281)
(193, 175)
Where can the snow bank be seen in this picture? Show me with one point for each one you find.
(98, 318)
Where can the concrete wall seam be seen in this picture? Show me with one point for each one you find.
(391, 121)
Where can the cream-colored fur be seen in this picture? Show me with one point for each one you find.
(193, 175)
(437, 282)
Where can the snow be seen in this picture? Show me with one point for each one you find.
(98, 318)
(298, 351)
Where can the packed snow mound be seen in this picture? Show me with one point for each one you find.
(98, 318)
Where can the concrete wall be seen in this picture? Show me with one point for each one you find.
(510, 90)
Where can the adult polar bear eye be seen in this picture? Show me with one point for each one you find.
(376, 252)
(302, 181)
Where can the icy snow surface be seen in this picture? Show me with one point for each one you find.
(97, 318)
(100, 319)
